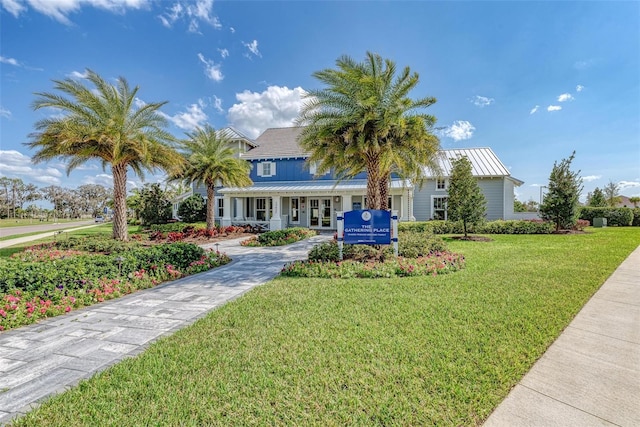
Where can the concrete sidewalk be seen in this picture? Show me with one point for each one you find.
(590, 376)
(39, 360)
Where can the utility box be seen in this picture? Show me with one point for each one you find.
(599, 222)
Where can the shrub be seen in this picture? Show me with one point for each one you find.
(636, 217)
(193, 209)
(280, 237)
(614, 216)
(493, 227)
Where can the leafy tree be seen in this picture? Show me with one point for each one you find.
(612, 194)
(93, 198)
(104, 123)
(561, 204)
(363, 120)
(466, 202)
(635, 200)
(518, 206)
(155, 206)
(210, 160)
(596, 199)
(193, 209)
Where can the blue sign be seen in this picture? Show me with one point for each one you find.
(367, 227)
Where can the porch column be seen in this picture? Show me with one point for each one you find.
(275, 223)
(239, 205)
(225, 221)
(410, 205)
(347, 204)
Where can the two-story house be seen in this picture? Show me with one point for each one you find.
(286, 191)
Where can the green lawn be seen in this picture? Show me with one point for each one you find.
(19, 222)
(439, 350)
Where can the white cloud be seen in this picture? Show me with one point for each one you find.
(579, 88)
(233, 30)
(60, 9)
(211, 69)
(565, 97)
(253, 47)
(5, 113)
(217, 104)
(459, 130)
(623, 185)
(590, 178)
(10, 61)
(537, 185)
(193, 13)
(78, 74)
(103, 179)
(482, 101)
(190, 119)
(223, 52)
(534, 109)
(554, 108)
(275, 107)
(17, 165)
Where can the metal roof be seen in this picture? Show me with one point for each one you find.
(232, 133)
(310, 186)
(484, 162)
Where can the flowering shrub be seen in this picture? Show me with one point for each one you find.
(581, 224)
(47, 286)
(280, 237)
(38, 254)
(433, 264)
(179, 231)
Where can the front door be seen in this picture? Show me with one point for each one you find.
(320, 213)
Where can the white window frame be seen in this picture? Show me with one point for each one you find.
(444, 183)
(220, 206)
(433, 209)
(259, 209)
(262, 169)
(313, 169)
(295, 209)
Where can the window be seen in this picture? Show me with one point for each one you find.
(439, 210)
(261, 209)
(295, 209)
(441, 184)
(266, 169)
(313, 169)
(220, 207)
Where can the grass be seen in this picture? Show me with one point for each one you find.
(20, 222)
(439, 350)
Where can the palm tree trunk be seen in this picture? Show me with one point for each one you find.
(373, 182)
(120, 231)
(211, 207)
(384, 192)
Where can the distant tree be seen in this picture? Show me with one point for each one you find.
(193, 209)
(532, 205)
(612, 194)
(635, 200)
(155, 205)
(562, 202)
(596, 199)
(93, 198)
(518, 206)
(466, 202)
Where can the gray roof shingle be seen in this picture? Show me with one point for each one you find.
(277, 143)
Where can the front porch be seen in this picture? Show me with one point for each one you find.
(311, 205)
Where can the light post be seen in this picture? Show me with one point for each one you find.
(540, 204)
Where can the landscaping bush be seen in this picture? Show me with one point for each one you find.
(615, 216)
(43, 282)
(636, 217)
(193, 209)
(493, 227)
(280, 237)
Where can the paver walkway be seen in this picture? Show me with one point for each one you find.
(590, 376)
(39, 360)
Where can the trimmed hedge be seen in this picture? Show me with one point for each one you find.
(636, 217)
(615, 216)
(493, 227)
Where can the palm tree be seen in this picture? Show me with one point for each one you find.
(364, 121)
(210, 160)
(104, 123)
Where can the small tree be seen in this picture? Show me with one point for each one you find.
(466, 202)
(596, 199)
(612, 194)
(155, 206)
(561, 204)
(193, 209)
(635, 200)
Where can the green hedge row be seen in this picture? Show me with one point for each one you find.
(493, 227)
(615, 216)
(74, 272)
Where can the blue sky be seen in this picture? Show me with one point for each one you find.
(532, 80)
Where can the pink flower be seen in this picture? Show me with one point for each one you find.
(67, 309)
(3, 313)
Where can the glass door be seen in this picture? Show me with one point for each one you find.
(320, 213)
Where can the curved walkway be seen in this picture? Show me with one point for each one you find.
(590, 376)
(39, 360)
